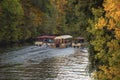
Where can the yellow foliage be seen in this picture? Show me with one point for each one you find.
(112, 8)
(113, 44)
(117, 33)
(114, 70)
(101, 23)
(109, 5)
(111, 20)
(109, 72)
(111, 24)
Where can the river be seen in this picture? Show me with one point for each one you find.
(44, 63)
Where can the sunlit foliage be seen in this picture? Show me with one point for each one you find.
(112, 16)
(106, 31)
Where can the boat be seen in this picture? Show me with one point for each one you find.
(63, 41)
(45, 40)
(78, 42)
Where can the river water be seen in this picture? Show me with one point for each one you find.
(43, 63)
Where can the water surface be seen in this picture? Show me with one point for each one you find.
(41, 63)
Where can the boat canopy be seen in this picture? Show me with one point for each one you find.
(80, 38)
(46, 37)
(63, 37)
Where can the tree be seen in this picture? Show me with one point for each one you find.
(49, 17)
(33, 18)
(77, 14)
(106, 41)
(10, 20)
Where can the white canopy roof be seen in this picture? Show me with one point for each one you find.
(63, 37)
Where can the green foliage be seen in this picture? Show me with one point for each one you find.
(96, 42)
(49, 16)
(25, 19)
(10, 20)
(77, 14)
(106, 41)
(12, 7)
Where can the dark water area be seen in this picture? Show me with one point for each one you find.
(12, 47)
(42, 63)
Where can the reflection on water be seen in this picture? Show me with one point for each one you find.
(69, 67)
(13, 46)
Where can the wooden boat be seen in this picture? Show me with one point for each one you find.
(78, 42)
(63, 41)
(45, 41)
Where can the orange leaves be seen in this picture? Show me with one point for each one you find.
(115, 71)
(109, 73)
(109, 5)
(112, 17)
(109, 52)
(101, 23)
(112, 8)
(117, 15)
(117, 33)
(111, 24)
(104, 74)
(104, 68)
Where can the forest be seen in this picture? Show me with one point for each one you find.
(21, 20)
(97, 20)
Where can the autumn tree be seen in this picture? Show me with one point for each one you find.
(25, 19)
(106, 41)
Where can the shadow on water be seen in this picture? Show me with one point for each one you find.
(46, 69)
(12, 47)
